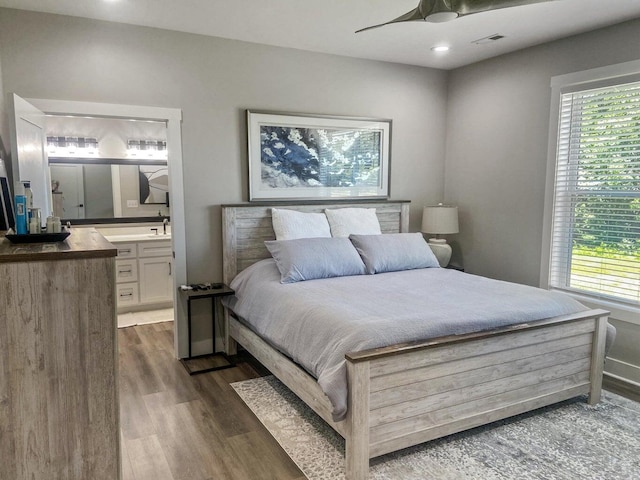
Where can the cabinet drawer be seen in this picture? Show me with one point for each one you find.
(126, 271)
(157, 248)
(127, 294)
(126, 250)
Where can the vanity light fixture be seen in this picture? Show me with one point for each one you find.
(59, 146)
(440, 48)
(147, 148)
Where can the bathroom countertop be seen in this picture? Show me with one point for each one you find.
(82, 243)
(135, 233)
(136, 237)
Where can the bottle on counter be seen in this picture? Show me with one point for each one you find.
(35, 222)
(22, 215)
(28, 193)
(54, 225)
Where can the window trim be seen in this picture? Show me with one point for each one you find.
(595, 78)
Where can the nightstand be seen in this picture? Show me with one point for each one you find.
(214, 294)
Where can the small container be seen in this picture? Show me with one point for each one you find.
(35, 224)
(50, 219)
(57, 225)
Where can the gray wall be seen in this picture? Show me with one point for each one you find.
(497, 133)
(214, 81)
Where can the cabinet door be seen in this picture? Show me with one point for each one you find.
(156, 285)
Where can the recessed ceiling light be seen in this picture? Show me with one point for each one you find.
(440, 48)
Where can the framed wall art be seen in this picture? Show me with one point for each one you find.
(154, 183)
(314, 157)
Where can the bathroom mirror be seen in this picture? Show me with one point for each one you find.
(106, 189)
(108, 170)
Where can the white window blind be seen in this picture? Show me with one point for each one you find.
(595, 245)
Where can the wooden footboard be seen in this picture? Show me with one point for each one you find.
(408, 394)
(404, 395)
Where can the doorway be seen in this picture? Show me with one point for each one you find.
(172, 118)
(69, 180)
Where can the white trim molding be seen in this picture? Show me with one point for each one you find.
(173, 119)
(593, 78)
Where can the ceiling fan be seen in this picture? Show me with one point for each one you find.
(438, 11)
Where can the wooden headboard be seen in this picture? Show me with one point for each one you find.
(245, 228)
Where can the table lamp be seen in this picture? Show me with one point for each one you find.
(440, 219)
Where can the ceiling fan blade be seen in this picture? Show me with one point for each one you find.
(411, 16)
(446, 10)
(468, 7)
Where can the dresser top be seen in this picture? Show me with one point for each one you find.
(82, 243)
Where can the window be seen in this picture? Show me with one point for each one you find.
(595, 232)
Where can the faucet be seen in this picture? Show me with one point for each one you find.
(164, 226)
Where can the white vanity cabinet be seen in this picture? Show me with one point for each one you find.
(154, 267)
(143, 274)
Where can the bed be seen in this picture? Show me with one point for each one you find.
(390, 402)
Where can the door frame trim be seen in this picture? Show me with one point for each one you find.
(173, 119)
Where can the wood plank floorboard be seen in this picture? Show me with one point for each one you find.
(180, 427)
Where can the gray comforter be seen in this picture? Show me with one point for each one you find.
(317, 322)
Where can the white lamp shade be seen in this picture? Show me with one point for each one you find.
(440, 219)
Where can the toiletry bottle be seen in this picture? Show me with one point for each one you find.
(28, 194)
(21, 210)
(35, 223)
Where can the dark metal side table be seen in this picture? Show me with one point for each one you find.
(213, 294)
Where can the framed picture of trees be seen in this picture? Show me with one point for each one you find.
(314, 157)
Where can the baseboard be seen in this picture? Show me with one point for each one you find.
(621, 386)
(623, 370)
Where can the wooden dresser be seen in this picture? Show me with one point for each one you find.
(59, 415)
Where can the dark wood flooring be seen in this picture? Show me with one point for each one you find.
(180, 427)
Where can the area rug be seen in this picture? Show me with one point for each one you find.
(567, 441)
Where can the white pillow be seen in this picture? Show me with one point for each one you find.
(290, 224)
(357, 221)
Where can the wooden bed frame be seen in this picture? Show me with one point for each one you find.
(403, 395)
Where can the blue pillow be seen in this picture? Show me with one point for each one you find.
(311, 258)
(392, 252)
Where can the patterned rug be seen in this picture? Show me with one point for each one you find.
(567, 441)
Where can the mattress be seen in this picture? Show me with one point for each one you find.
(317, 322)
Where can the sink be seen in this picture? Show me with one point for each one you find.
(160, 236)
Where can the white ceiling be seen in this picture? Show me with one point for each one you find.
(329, 25)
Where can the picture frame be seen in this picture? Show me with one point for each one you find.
(295, 156)
(153, 184)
